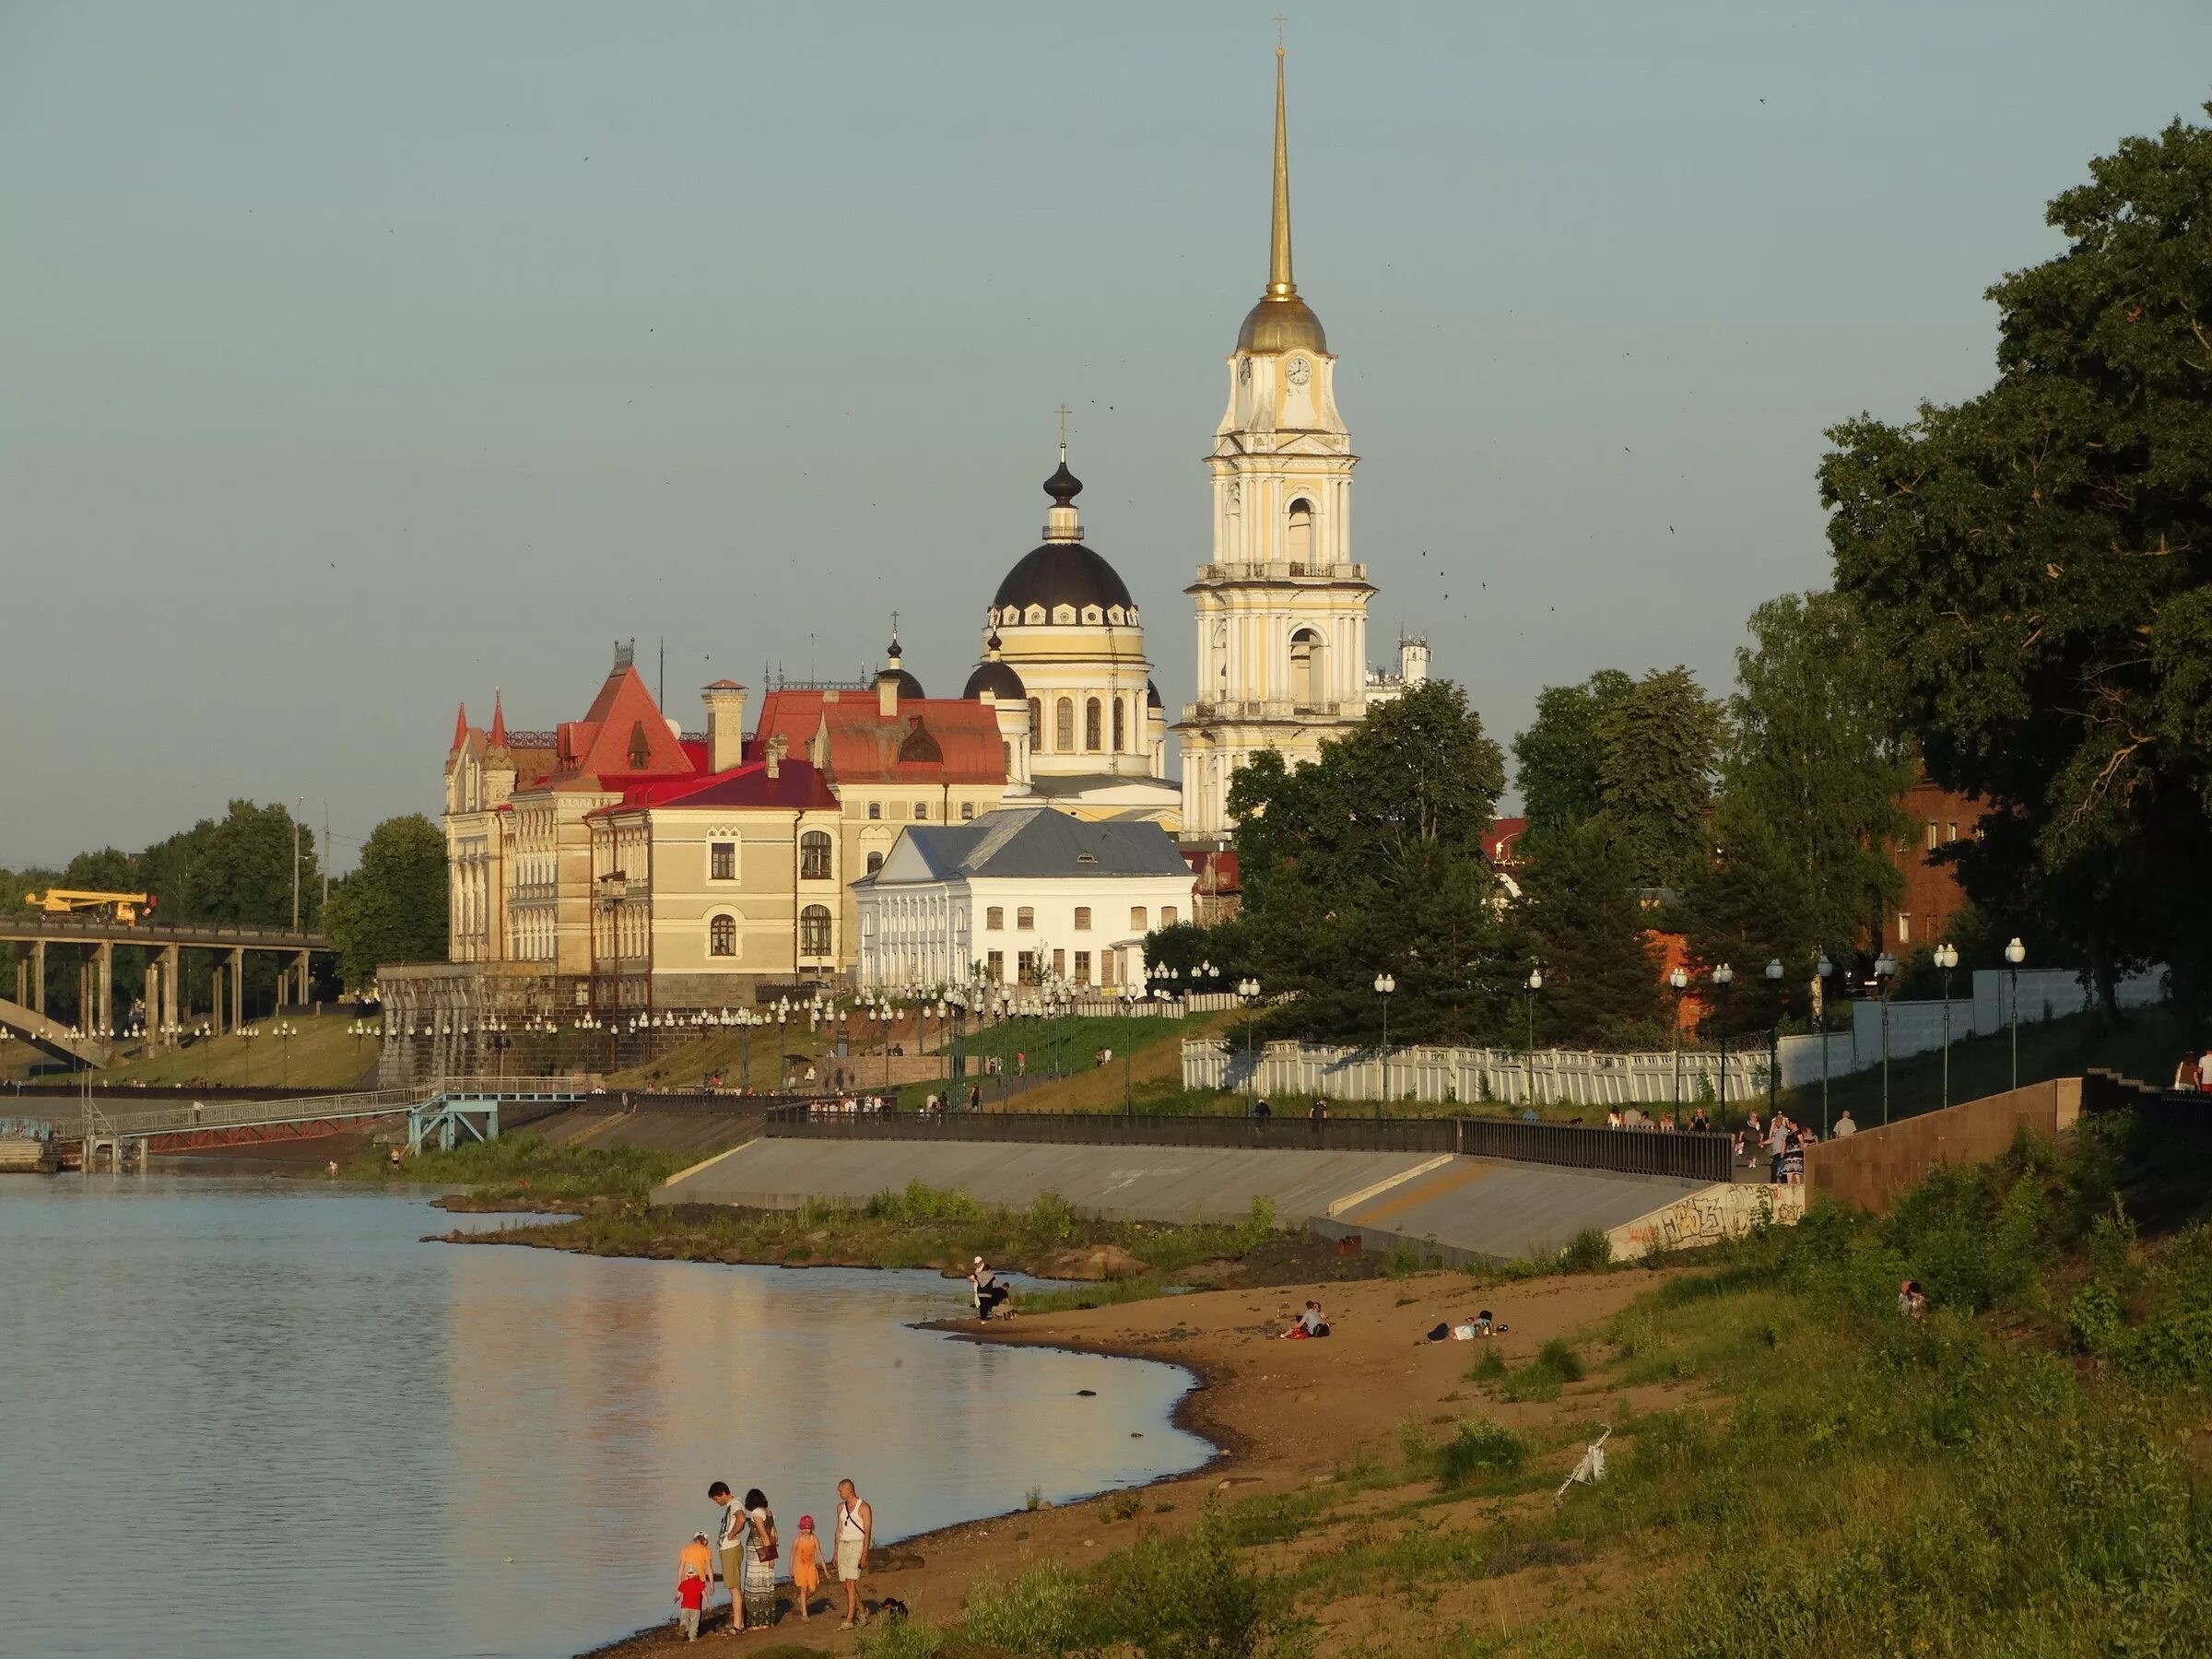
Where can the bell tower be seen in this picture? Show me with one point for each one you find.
(1281, 608)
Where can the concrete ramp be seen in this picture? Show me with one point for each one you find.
(1470, 1209)
(1118, 1183)
(51, 1038)
(597, 1124)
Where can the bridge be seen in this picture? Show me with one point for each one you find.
(94, 938)
(445, 1113)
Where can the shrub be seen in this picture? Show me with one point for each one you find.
(892, 1639)
(1588, 1252)
(1480, 1448)
(1488, 1369)
(1257, 1226)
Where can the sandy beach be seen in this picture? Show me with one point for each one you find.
(1283, 1415)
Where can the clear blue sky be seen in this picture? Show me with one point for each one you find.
(358, 358)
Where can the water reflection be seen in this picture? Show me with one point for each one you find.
(285, 1425)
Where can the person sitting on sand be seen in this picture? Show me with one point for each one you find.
(990, 1290)
(807, 1565)
(1308, 1324)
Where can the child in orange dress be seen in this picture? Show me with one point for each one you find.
(807, 1565)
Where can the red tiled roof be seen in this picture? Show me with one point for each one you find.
(460, 727)
(929, 740)
(623, 737)
(797, 787)
(499, 722)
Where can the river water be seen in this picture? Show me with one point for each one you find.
(248, 1417)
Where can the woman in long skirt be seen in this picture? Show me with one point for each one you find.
(760, 1578)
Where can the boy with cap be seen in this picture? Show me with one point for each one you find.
(694, 1572)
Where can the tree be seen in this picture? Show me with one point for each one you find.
(1558, 761)
(2035, 562)
(1371, 859)
(392, 909)
(1659, 741)
(1581, 918)
(1746, 906)
(1814, 751)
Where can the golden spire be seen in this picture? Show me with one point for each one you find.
(1279, 286)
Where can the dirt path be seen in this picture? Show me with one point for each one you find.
(1283, 1413)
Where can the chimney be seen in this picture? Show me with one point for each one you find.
(725, 724)
(887, 694)
(776, 747)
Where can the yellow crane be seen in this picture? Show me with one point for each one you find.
(124, 908)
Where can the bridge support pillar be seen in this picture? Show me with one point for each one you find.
(300, 993)
(172, 987)
(237, 973)
(38, 976)
(153, 1004)
(104, 960)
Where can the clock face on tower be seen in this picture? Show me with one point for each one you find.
(1301, 371)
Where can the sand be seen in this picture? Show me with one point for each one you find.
(1282, 1413)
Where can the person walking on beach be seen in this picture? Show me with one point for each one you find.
(730, 1544)
(807, 1565)
(694, 1577)
(856, 1530)
(759, 1581)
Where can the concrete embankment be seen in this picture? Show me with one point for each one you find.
(1455, 1207)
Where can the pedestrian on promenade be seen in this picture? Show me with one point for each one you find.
(694, 1577)
(2185, 1078)
(975, 1097)
(730, 1546)
(760, 1552)
(1844, 1125)
(807, 1565)
(855, 1531)
(1260, 1109)
(1700, 1123)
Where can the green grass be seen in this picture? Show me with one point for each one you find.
(525, 1166)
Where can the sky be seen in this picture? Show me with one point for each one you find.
(360, 359)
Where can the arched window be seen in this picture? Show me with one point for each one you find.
(814, 931)
(875, 862)
(1036, 723)
(814, 855)
(1005, 757)
(1299, 544)
(1120, 731)
(1063, 725)
(1309, 669)
(1092, 715)
(722, 937)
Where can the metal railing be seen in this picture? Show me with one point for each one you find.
(245, 1114)
(1571, 1145)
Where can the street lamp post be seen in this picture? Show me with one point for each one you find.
(1723, 977)
(1248, 992)
(1386, 983)
(1773, 1035)
(1947, 959)
(2015, 954)
(1534, 985)
(1679, 980)
(1885, 974)
(1823, 968)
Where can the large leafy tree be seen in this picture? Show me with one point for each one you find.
(1814, 752)
(1559, 762)
(1371, 859)
(1746, 905)
(1659, 744)
(392, 909)
(1581, 919)
(2035, 561)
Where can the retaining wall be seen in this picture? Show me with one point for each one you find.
(1873, 1168)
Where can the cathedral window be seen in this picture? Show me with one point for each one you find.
(1035, 614)
(1300, 543)
(874, 809)
(875, 862)
(1092, 715)
(1063, 725)
(1036, 723)
(722, 937)
(814, 855)
(1114, 615)
(721, 861)
(814, 931)
(967, 812)
(1309, 672)
(1063, 613)
(1092, 616)
(1120, 735)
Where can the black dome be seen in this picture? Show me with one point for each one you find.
(1063, 573)
(908, 685)
(999, 679)
(1151, 695)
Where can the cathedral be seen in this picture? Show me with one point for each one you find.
(1281, 606)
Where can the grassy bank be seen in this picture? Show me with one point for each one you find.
(321, 1054)
(523, 1168)
(1796, 1468)
(922, 1226)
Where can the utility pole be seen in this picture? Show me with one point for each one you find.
(296, 805)
(326, 856)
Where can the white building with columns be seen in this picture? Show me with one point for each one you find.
(1018, 896)
(1282, 606)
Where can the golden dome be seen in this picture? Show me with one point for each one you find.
(1287, 324)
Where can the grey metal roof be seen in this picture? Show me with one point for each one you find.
(1037, 841)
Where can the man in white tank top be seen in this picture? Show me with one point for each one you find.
(855, 1529)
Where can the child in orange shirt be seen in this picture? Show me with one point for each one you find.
(807, 1565)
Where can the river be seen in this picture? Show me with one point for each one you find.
(247, 1415)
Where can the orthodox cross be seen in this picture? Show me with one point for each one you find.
(1064, 412)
